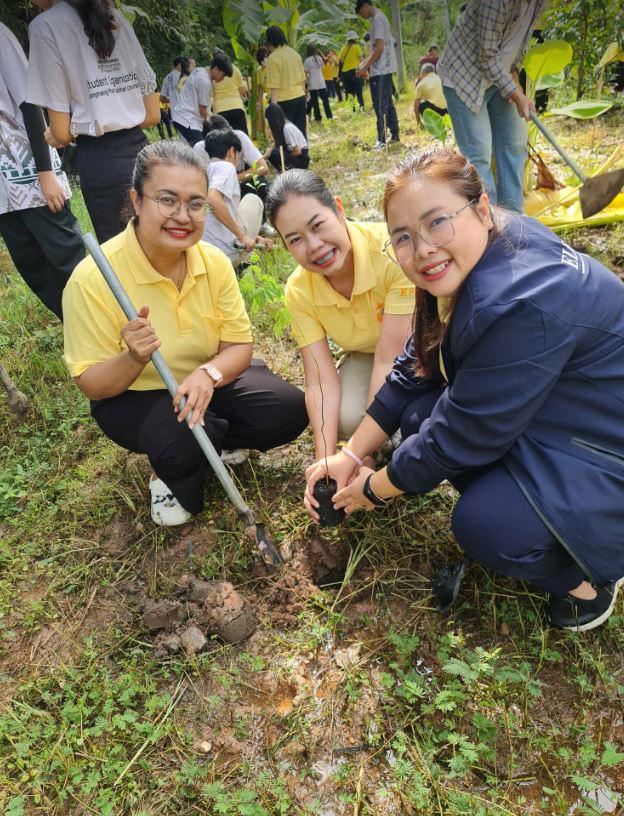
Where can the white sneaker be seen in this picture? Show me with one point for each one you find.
(268, 231)
(379, 145)
(166, 509)
(235, 457)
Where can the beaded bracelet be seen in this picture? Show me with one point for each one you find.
(348, 452)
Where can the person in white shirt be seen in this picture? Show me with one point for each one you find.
(36, 222)
(232, 225)
(313, 67)
(252, 166)
(195, 101)
(169, 91)
(380, 65)
(290, 147)
(88, 69)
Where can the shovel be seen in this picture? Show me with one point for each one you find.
(596, 192)
(255, 532)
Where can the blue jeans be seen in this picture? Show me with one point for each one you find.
(499, 129)
(381, 94)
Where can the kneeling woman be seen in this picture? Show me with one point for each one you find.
(345, 288)
(511, 388)
(191, 308)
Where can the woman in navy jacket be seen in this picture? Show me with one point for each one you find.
(511, 387)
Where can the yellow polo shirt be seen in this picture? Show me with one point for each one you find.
(284, 71)
(429, 89)
(189, 324)
(226, 94)
(351, 56)
(380, 287)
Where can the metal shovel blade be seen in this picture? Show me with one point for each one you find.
(599, 191)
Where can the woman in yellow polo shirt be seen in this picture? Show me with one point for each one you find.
(229, 97)
(344, 289)
(286, 78)
(191, 308)
(349, 58)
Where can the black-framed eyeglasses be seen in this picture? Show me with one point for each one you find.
(437, 231)
(169, 206)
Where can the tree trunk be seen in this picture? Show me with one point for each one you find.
(398, 35)
(585, 11)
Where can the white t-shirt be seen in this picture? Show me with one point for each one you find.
(222, 177)
(197, 91)
(170, 89)
(514, 38)
(313, 67)
(66, 75)
(294, 137)
(380, 30)
(19, 182)
(249, 156)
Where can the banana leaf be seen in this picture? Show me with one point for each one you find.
(583, 109)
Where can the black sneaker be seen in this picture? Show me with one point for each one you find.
(581, 616)
(445, 584)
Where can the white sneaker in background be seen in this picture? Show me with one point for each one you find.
(379, 145)
(165, 508)
(235, 457)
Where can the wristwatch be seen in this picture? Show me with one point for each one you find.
(213, 372)
(371, 495)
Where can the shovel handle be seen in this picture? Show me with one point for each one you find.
(169, 380)
(564, 155)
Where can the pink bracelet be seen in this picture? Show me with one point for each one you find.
(352, 455)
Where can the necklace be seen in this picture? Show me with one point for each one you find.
(180, 277)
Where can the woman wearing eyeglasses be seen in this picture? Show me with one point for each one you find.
(191, 308)
(511, 388)
(344, 289)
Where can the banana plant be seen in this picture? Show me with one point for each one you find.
(438, 126)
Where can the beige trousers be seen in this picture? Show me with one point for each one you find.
(355, 371)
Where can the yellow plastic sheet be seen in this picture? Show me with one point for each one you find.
(561, 209)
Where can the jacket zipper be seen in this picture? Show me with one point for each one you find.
(612, 456)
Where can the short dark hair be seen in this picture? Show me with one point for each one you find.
(169, 152)
(275, 36)
(261, 54)
(222, 62)
(360, 3)
(218, 142)
(177, 61)
(215, 122)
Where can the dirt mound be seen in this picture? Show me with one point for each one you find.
(205, 608)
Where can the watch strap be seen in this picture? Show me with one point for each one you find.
(370, 493)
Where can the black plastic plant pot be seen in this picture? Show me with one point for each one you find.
(323, 492)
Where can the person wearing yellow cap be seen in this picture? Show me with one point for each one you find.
(349, 58)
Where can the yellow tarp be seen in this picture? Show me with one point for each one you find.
(560, 209)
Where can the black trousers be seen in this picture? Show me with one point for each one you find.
(258, 410)
(236, 117)
(290, 160)
(105, 165)
(314, 104)
(334, 89)
(165, 122)
(353, 86)
(191, 135)
(45, 248)
(295, 110)
(381, 92)
(424, 105)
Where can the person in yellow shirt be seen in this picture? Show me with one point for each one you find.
(191, 308)
(229, 98)
(349, 58)
(330, 75)
(286, 78)
(344, 289)
(429, 92)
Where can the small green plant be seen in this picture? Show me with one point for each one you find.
(438, 126)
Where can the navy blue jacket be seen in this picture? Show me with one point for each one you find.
(535, 358)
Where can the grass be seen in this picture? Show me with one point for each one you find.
(363, 702)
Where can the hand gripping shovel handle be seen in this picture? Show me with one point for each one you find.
(268, 552)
